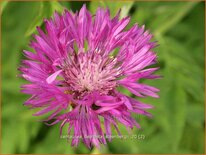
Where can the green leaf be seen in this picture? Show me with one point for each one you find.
(37, 21)
(46, 10)
(143, 12)
(56, 6)
(114, 7)
(176, 100)
(3, 4)
(193, 139)
(175, 17)
(195, 114)
(128, 142)
(53, 139)
(177, 57)
(12, 34)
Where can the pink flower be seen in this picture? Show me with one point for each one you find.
(75, 71)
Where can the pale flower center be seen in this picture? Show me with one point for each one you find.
(91, 72)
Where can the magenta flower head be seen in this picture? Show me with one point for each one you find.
(78, 64)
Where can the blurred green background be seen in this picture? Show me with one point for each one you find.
(178, 122)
